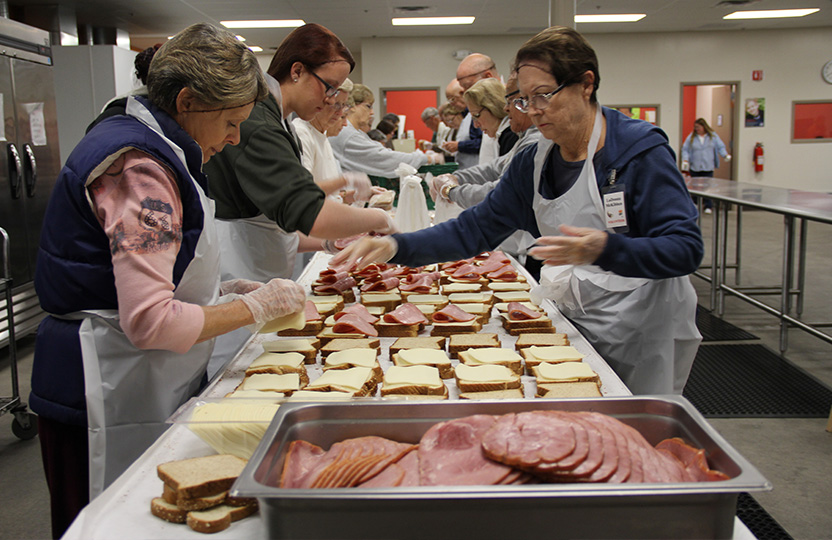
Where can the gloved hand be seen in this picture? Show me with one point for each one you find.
(368, 250)
(390, 228)
(435, 158)
(441, 184)
(238, 286)
(329, 248)
(274, 299)
(359, 182)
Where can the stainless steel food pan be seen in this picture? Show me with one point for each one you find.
(682, 510)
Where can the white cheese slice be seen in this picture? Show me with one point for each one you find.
(233, 427)
(356, 357)
(492, 356)
(352, 379)
(377, 297)
(474, 308)
(455, 324)
(325, 299)
(270, 382)
(461, 288)
(513, 296)
(325, 308)
(412, 376)
(426, 309)
(504, 286)
(484, 373)
(555, 353)
(288, 345)
(412, 357)
(310, 395)
(480, 297)
(565, 371)
(269, 359)
(294, 321)
(255, 394)
(427, 299)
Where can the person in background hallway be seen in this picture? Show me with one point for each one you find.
(128, 269)
(700, 153)
(466, 147)
(617, 261)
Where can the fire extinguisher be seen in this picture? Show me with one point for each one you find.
(759, 158)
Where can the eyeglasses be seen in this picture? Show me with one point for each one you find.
(330, 91)
(460, 79)
(477, 115)
(508, 96)
(539, 101)
(339, 106)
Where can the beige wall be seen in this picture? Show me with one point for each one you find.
(650, 69)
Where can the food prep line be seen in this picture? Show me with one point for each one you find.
(797, 208)
(123, 510)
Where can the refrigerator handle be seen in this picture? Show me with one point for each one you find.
(15, 171)
(31, 170)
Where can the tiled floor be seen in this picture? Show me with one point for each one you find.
(794, 454)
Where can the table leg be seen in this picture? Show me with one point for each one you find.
(722, 211)
(738, 250)
(801, 266)
(714, 254)
(788, 266)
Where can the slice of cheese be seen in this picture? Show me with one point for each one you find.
(270, 382)
(379, 297)
(288, 345)
(461, 288)
(351, 379)
(378, 311)
(492, 356)
(504, 286)
(309, 395)
(480, 297)
(325, 308)
(427, 299)
(503, 306)
(484, 373)
(426, 309)
(269, 359)
(325, 299)
(513, 296)
(356, 357)
(231, 426)
(565, 371)
(555, 353)
(475, 308)
(413, 357)
(427, 376)
(295, 321)
(255, 394)
(455, 324)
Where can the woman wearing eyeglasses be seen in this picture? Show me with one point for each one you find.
(486, 102)
(614, 223)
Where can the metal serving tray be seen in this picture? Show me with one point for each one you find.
(680, 510)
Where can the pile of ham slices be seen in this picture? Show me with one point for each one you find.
(521, 448)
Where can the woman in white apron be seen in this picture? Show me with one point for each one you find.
(613, 219)
(102, 236)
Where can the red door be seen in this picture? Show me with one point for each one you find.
(411, 103)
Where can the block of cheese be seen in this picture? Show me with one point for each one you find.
(505, 286)
(418, 380)
(493, 356)
(564, 372)
(425, 357)
(295, 321)
(269, 382)
(231, 426)
(358, 381)
(484, 297)
(485, 378)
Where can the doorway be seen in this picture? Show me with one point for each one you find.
(716, 103)
(409, 103)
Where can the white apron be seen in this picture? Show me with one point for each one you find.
(131, 392)
(644, 328)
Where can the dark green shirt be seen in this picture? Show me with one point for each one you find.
(264, 175)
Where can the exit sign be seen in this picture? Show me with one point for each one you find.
(757, 75)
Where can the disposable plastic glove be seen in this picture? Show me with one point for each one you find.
(274, 299)
(360, 183)
(435, 158)
(368, 250)
(390, 228)
(238, 286)
(441, 183)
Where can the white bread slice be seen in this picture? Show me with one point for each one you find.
(162, 509)
(481, 311)
(540, 340)
(513, 393)
(493, 356)
(218, 518)
(387, 300)
(202, 476)
(336, 345)
(450, 328)
(350, 358)
(200, 503)
(482, 297)
(462, 342)
(425, 357)
(413, 380)
(485, 378)
(421, 342)
(387, 329)
(568, 390)
(502, 307)
(279, 364)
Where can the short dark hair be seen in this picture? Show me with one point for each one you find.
(565, 51)
(312, 45)
(391, 117)
(386, 126)
(377, 135)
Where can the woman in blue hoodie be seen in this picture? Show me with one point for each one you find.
(617, 232)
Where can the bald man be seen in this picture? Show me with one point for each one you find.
(472, 68)
(468, 139)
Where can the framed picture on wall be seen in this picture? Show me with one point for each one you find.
(648, 113)
(811, 121)
(755, 111)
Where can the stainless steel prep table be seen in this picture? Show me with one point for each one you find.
(797, 208)
(123, 510)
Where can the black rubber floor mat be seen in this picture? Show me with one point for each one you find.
(758, 521)
(752, 381)
(713, 328)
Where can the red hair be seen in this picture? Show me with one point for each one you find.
(312, 45)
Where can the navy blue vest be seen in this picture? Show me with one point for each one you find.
(74, 265)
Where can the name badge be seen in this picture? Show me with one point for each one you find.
(615, 215)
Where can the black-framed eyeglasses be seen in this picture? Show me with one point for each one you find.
(539, 101)
(330, 91)
(477, 115)
(510, 94)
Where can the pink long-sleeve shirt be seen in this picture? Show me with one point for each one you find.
(137, 203)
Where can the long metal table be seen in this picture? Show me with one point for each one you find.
(797, 208)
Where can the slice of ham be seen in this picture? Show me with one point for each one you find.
(301, 458)
(371, 269)
(529, 439)
(448, 266)
(381, 285)
(693, 459)
(518, 312)
(332, 277)
(406, 314)
(419, 287)
(429, 277)
(311, 312)
(353, 324)
(357, 309)
(466, 272)
(338, 287)
(504, 273)
(452, 313)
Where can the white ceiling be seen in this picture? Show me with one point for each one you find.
(151, 21)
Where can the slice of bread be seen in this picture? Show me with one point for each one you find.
(486, 378)
(481, 311)
(533, 330)
(348, 295)
(502, 307)
(171, 496)
(279, 364)
(413, 380)
(512, 296)
(462, 342)
(513, 393)
(323, 302)
(162, 509)
(386, 329)
(438, 301)
(328, 334)
(450, 328)
(493, 356)
(202, 476)
(422, 342)
(308, 347)
(387, 300)
(568, 390)
(425, 357)
(218, 518)
(482, 297)
(352, 343)
(509, 324)
(350, 358)
(540, 339)
(311, 328)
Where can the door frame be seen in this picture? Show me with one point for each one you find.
(735, 131)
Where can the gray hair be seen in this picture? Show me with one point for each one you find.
(429, 112)
(361, 94)
(346, 86)
(489, 94)
(212, 63)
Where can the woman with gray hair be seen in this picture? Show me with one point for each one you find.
(128, 269)
(486, 101)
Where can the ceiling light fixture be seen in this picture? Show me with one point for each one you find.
(431, 21)
(284, 23)
(621, 17)
(240, 38)
(771, 13)
(255, 48)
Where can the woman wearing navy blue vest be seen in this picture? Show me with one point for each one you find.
(128, 268)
